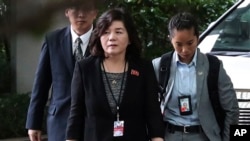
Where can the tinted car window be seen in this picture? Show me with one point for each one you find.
(234, 32)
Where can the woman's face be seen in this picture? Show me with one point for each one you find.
(185, 43)
(115, 39)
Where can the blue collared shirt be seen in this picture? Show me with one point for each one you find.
(184, 84)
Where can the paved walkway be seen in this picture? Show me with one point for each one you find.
(23, 139)
(16, 139)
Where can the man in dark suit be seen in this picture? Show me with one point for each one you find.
(55, 70)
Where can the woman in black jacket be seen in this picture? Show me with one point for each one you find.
(114, 91)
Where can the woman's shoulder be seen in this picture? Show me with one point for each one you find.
(141, 63)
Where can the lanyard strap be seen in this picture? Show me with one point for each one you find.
(120, 93)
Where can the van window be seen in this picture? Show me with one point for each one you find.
(234, 32)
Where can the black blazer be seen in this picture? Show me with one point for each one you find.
(55, 71)
(91, 116)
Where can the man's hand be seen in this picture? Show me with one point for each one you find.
(35, 135)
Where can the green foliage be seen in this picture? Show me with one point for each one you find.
(152, 16)
(4, 56)
(13, 112)
(13, 109)
(4, 12)
(4, 71)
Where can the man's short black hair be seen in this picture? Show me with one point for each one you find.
(88, 4)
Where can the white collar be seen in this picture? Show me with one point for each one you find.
(85, 37)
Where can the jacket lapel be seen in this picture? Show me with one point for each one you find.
(102, 95)
(171, 82)
(67, 50)
(200, 75)
(87, 52)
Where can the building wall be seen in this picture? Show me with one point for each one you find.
(26, 45)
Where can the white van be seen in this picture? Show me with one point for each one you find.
(228, 38)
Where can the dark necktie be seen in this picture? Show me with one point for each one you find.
(78, 51)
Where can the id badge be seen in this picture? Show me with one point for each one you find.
(185, 105)
(118, 128)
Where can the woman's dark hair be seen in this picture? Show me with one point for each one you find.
(183, 21)
(104, 21)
